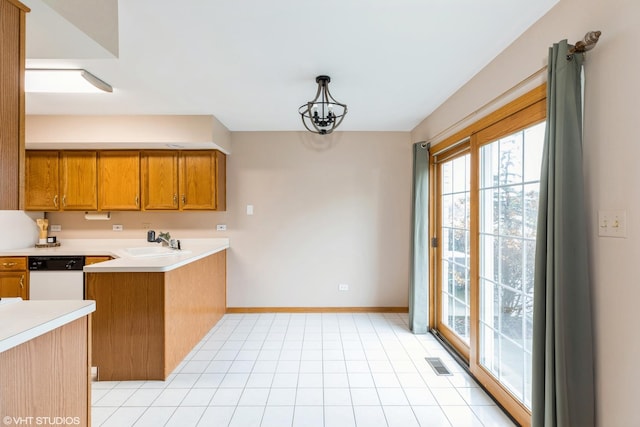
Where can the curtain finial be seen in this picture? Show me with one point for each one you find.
(587, 43)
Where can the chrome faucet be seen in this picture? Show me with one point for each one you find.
(164, 238)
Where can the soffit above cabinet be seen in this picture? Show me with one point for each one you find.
(203, 132)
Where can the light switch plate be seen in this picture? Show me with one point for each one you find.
(117, 227)
(249, 209)
(612, 224)
(221, 227)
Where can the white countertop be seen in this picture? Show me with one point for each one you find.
(192, 250)
(22, 321)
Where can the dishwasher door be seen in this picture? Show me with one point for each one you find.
(56, 285)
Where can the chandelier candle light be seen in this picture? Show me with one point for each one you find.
(324, 114)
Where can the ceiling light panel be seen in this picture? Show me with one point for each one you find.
(64, 81)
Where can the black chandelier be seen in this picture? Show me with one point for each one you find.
(324, 114)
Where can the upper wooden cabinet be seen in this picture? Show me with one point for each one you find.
(200, 181)
(12, 63)
(75, 172)
(159, 180)
(60, 180)
(118, 180)
(186, 180)
(79, 180)
(126, 180)
(42, 181)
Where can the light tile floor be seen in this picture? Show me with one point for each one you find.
(326, 370)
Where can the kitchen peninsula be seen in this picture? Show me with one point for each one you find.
(44, 360)
(152, 310)
(153, 304)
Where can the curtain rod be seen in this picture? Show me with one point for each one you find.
(587, 43)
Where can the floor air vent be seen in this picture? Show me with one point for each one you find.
(438, 366)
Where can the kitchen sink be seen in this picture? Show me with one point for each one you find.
(151, 251)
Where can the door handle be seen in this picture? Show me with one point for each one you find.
(175, 199)
(9, 264)
(64, 200)
(22, 281)
(55, 200)
(184, 199)
(137, 201)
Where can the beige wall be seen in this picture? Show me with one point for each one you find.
(611, 151)
(97, 18)
(325, 214)
(326, 211)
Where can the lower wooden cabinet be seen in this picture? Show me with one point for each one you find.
(14, 277)
(96, 259)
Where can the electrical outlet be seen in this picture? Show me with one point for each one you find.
(117, 227)
(343, 287)
(249, 209)
(221, 227)
(55, 227)
(146, 225)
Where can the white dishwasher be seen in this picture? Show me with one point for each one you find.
(56, 277)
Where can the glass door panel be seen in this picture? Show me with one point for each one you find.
(508, 195)
(454, 234)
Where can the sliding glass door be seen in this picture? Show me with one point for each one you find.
(486, 197)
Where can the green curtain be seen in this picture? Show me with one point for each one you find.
(563, 369)
(419, 280)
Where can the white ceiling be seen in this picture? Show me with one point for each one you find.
(252, 63)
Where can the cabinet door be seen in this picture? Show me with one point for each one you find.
(119, 180)
(198, 180)
(221, 181)
(159, 180)
(14, 284)
(79, 180)
(42, 185)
